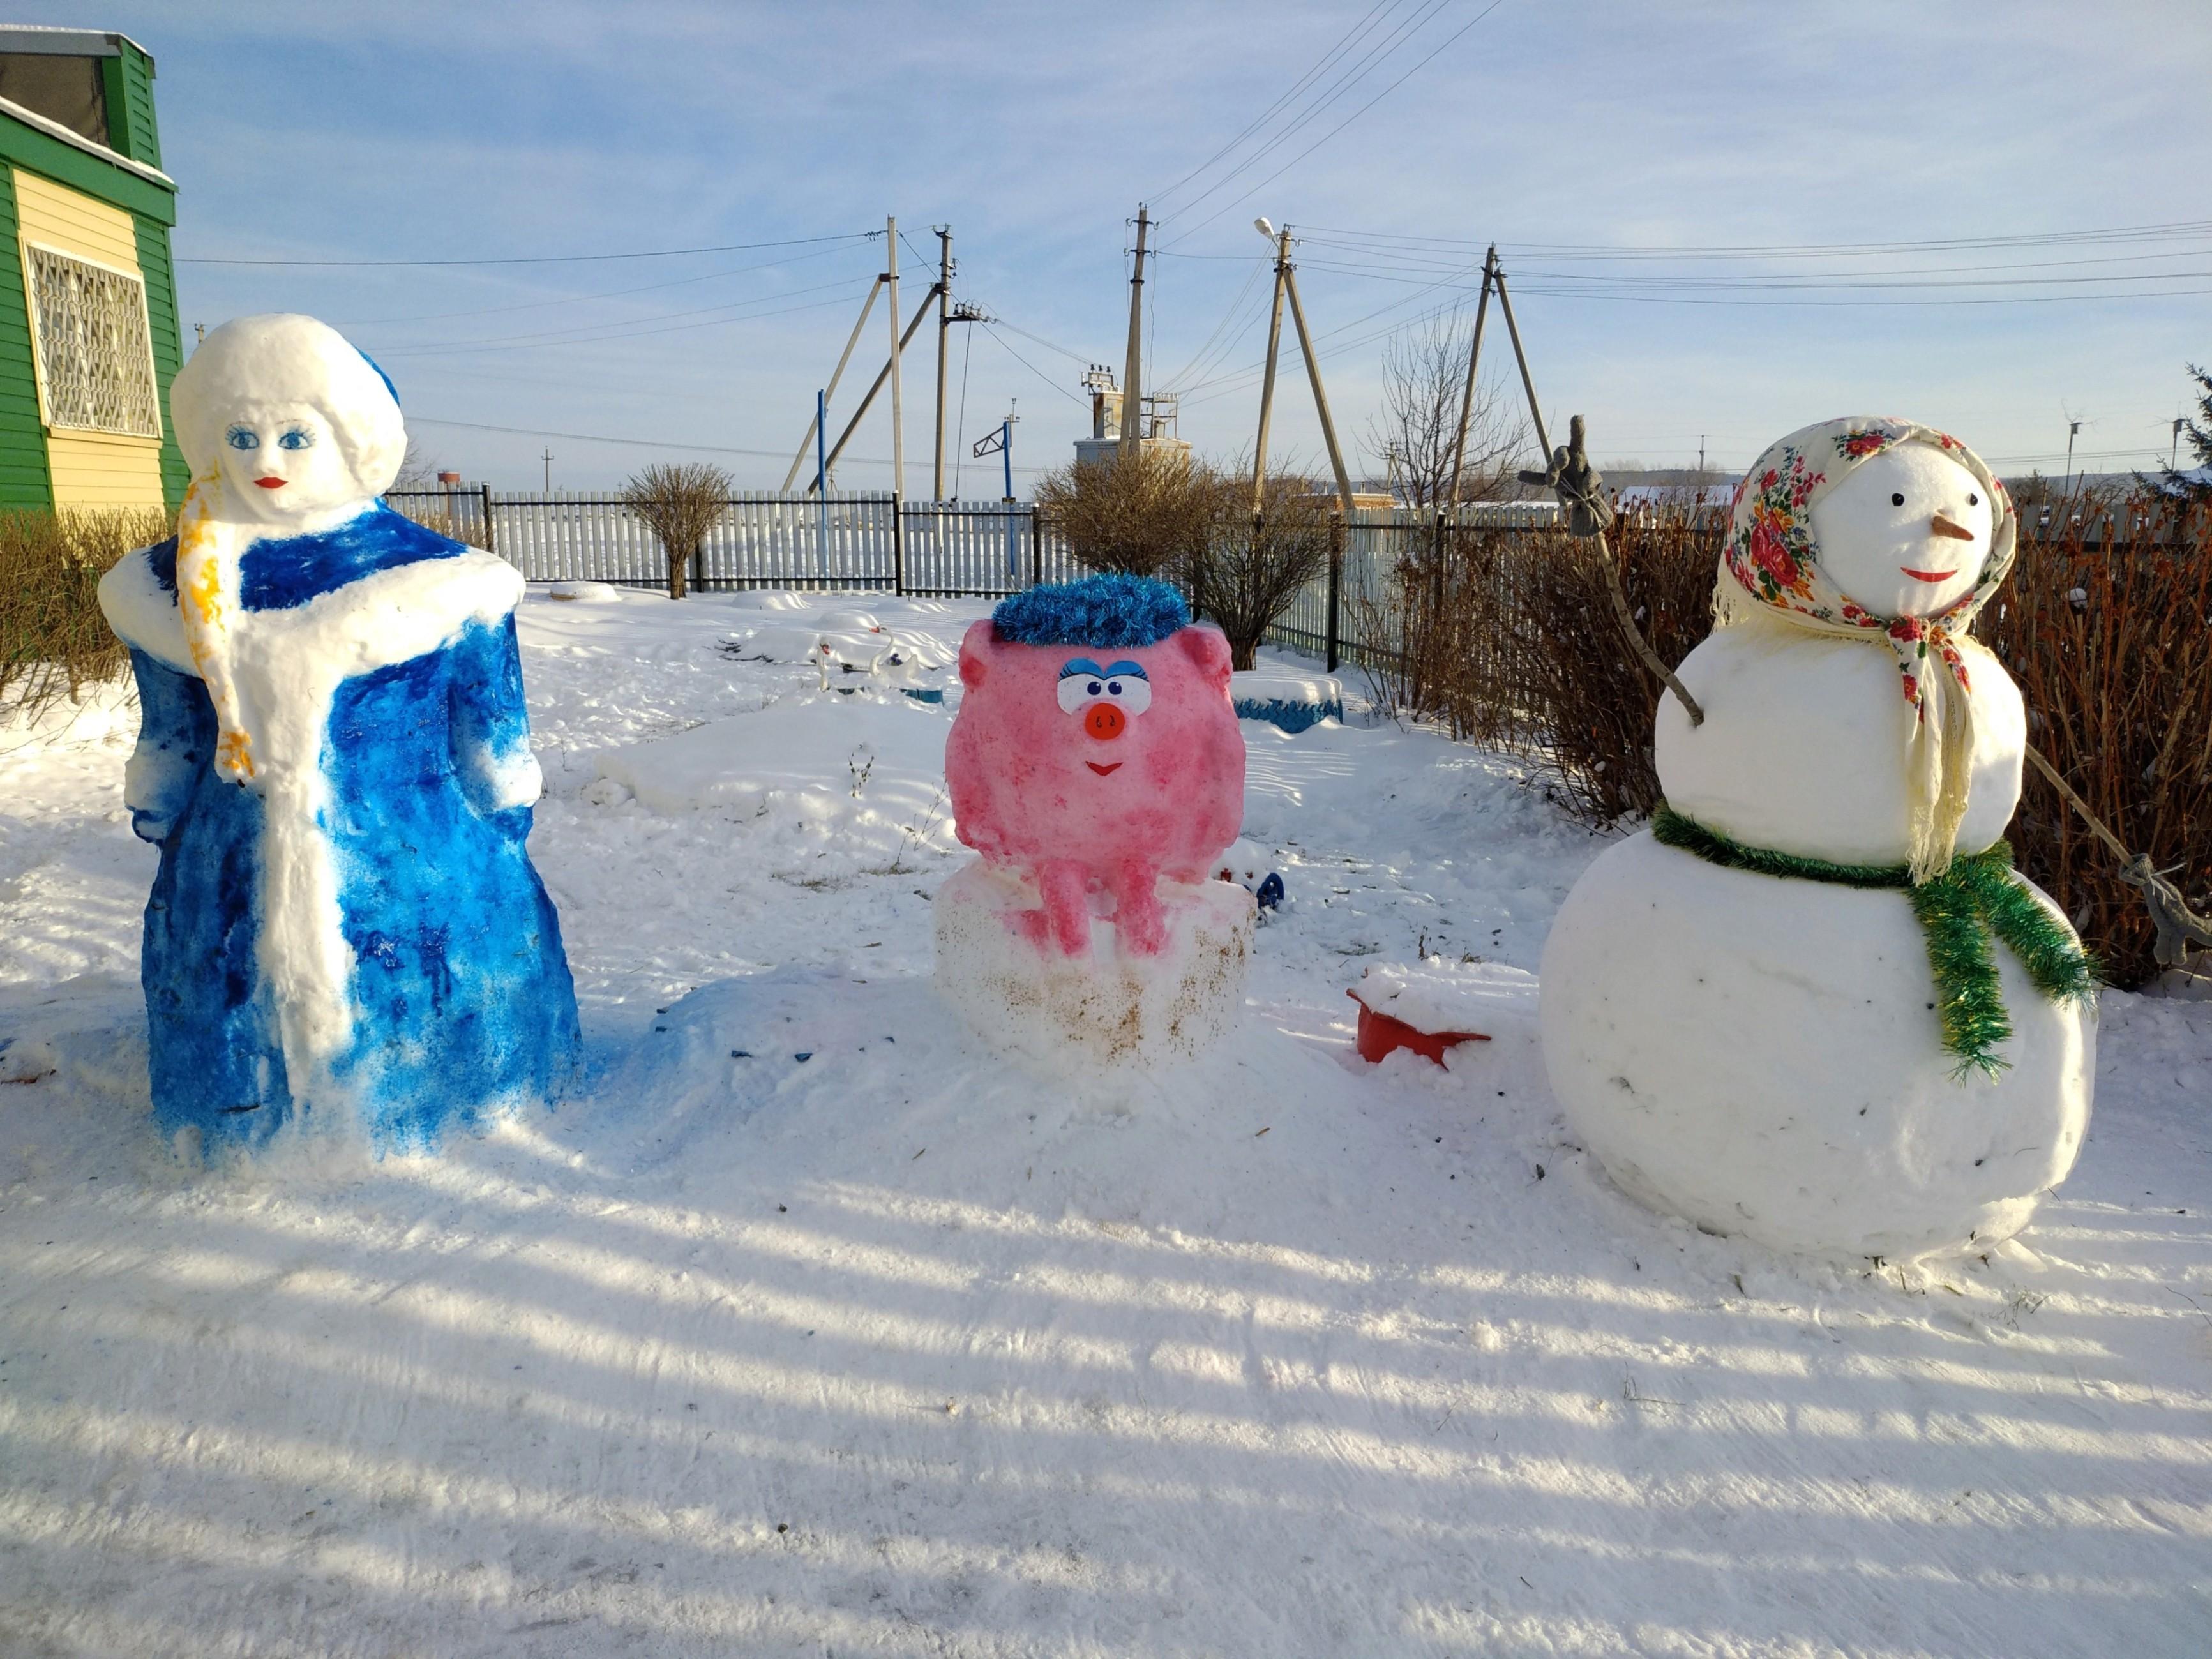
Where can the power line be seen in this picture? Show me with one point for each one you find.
(582, 299)
(647, 443)
(550, 338)
(1345, 83)
(1784, 250)
(533, 260)
(1030, 365)
(1422, 63)
(1320, 67)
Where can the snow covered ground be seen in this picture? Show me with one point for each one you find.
(813, 1330)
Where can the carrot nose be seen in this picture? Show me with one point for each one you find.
(1940, 525)
(1105, 722)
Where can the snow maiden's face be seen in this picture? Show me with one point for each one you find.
(1906, 533)
(282, 464)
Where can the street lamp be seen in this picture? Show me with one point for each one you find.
(2072, 426)
(2173, 455)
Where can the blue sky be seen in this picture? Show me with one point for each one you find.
(1566, 129)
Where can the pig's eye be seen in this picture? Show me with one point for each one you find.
(1076, 690)
(1133, 692)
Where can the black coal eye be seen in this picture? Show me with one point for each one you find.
(1974, 501)
(1896, 500)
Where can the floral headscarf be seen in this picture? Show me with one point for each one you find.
(1771, 560)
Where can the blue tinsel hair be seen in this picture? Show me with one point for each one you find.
(1109, 612)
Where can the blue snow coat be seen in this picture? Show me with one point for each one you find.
(413, 814)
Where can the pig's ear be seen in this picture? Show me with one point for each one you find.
(1210, 651)
(974, 645)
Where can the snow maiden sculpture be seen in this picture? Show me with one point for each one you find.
(334, 759)
(1814, 1004)
(1096, 766)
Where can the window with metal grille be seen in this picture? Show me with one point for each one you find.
(95, 355)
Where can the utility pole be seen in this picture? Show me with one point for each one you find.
(549, 472)
(2072, 426)
(882, 375)
(1701, 460)
(898, 429)
(1528, 384)
(822, 481)
(1275, 344)
(1132, 402)
(1473, 362)
(2173, 455)
(1320, 397)
(821, 403)
(944, 328)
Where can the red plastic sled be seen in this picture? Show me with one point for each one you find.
(1381, 1034)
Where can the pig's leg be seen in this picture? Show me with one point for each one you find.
(1138, 924)
(1066, 887)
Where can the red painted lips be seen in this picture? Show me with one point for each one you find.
(1103, 770)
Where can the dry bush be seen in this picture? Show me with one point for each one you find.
(1509, 637)
(2107, 626)
(681, 503)
(1591, 703)
(53, 641)
(1147, 515)
(1255, 566)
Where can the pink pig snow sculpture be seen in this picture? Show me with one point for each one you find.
(1096, 766)
(1096, 748)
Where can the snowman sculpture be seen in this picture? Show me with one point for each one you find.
(1814, 1004)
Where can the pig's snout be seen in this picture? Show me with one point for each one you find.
(1105, 722)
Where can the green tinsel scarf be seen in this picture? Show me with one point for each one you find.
(1958, 911)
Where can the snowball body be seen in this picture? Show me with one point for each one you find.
(1760, 1056)
(1800, 747)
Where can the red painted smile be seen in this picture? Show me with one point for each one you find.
(1103, 770)
(271, 483)
(1927, 575)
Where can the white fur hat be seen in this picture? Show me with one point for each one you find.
(254, 363)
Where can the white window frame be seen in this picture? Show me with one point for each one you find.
(39, 347)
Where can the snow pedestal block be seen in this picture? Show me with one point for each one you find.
(1059, 1014)
(1290, 700)
(1762, 1057)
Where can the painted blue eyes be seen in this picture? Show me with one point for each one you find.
(293, 437)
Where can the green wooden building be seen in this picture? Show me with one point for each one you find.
(90, 338)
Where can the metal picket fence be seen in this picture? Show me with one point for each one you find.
(937, 549)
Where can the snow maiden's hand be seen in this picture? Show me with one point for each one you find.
(491, 724)
(176, 731)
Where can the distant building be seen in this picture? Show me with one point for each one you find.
(1104, 443)
(90, 338)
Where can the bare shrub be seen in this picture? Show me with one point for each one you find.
(1590, 701)
(54, 639)
(681, 502)
(1254, 567)
(1147, 515)
(1424, 384)
(2108, 627)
